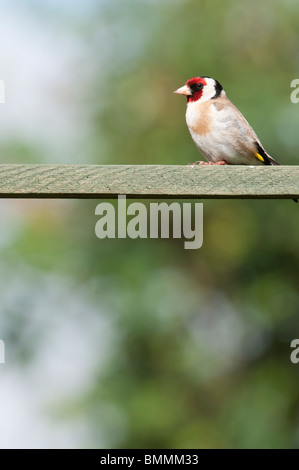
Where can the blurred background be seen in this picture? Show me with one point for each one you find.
(140, 343)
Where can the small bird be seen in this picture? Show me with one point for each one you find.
(218, 128)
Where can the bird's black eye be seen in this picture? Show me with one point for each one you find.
(196, 87)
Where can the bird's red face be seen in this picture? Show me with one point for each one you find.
(193, 88)
(201, 88)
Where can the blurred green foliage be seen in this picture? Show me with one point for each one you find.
(202, 354)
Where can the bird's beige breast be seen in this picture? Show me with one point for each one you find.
(199, 117)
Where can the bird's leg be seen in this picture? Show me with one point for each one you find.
(221, 162)
(200, 163)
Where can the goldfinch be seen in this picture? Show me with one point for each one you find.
(219, 130)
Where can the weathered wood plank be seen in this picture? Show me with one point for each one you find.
(148, 181)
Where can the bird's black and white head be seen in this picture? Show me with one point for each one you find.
(201, 89)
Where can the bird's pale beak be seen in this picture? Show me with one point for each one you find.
(184, 90)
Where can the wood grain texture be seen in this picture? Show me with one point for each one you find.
(148, 181)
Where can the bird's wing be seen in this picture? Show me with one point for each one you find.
(245, 136)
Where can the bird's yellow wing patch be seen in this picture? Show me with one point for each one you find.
(259, 157)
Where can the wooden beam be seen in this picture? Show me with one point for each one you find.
(148, 181)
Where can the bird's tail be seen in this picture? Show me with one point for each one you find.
(272, 161)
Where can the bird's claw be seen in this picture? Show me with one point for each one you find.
(199, 163)
(221, 162)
